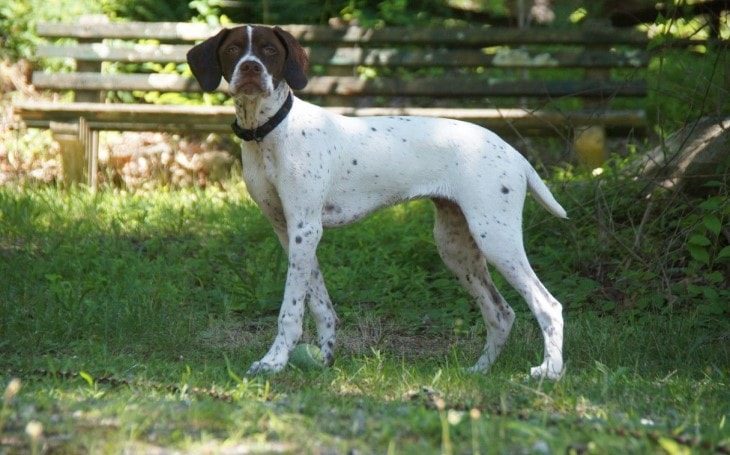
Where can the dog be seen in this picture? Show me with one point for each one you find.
(310, 169)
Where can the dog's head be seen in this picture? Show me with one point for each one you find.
(254, 59)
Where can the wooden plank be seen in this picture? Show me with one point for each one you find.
(103, 52)
(464, 36)
(467, 36)
(454, 87)
(146, 117)
(456, 58)
(352, 56)
(468, 87)
(99, 81)
(355, 56)
(164, 31)
(114, 110)
(132, 117)
(526, 118)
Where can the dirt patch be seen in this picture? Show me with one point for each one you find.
(361, 338)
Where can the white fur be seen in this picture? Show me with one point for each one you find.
(318, 169)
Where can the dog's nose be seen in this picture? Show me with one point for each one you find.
(251, 67)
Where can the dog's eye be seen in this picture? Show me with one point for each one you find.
(232, 50)
(270, 50)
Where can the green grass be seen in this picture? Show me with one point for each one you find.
(130, 320)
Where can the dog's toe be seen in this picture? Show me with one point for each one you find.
(254, 370)
(477, 369)
(545, 371)
(260, 368)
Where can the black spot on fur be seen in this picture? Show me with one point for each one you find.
(505, 190)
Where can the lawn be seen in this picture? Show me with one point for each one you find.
(129, 320)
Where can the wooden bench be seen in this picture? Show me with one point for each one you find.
(133, 77)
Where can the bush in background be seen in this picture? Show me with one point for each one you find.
(18, 20)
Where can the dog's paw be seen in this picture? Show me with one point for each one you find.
(477, 369)
(261, 368)
(546, 371)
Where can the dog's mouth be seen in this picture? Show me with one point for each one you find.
(250, 88)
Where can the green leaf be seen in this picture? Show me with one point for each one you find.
(699, 254)
(712, 223)
(710, 294)
(716, 277)
(699, 240)
(724, 253)
(712, 308)
(711, 204)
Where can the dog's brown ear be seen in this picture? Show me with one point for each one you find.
(204, 63)
(296, 62)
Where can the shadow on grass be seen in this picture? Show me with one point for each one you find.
(130, 318)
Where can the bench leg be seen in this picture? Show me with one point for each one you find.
(79, 152)
(91, 151)
(72, 152)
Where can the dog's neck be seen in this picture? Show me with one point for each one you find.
(252, 112)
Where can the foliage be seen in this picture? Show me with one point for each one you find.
(672, 102)
(18, 20)
(396, 12)
(653, 251)
(148, 10)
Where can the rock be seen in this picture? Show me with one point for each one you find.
(691, 157)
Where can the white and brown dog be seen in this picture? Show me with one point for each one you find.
(308, 169)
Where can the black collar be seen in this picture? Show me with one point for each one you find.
(258, 134)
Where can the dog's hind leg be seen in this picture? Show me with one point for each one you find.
(500, 240)
(462, 256)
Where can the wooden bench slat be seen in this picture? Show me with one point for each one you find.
(98, 81)
(101, 52)
(468, 87)
(456, 87)
(164, 31)
(463, 36)
(146, 117)
(467, 36)
(352, 57)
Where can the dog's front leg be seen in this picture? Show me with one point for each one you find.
(324, 314)
(303, 238)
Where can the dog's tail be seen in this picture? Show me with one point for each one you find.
(543, 195)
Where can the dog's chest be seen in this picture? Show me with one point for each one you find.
(260, 173)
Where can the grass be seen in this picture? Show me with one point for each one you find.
(129, 320)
